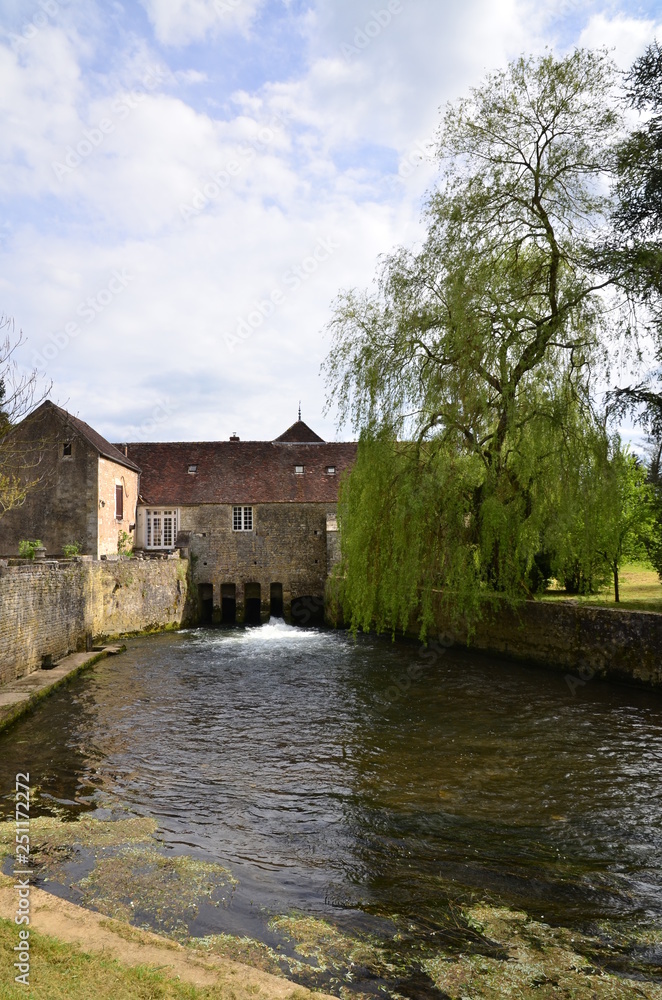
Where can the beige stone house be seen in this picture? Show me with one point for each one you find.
(88, 491)
(258, 518)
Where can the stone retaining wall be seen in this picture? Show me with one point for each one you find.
(583, 641)
(52, 608)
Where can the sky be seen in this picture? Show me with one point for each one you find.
(187, 185)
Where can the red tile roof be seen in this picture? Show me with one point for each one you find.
(240, 472)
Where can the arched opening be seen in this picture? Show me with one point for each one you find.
(308, 610)
(252, 599)
(205, 603)
(276, 606)
(228, 603)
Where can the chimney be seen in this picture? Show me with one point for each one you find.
(233, 437)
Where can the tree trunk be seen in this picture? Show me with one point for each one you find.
(617, 596)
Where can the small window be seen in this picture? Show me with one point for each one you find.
(67, 449)
(242, 518)
(299, 470)
(330, 470)
(119, 502)
(192, 469)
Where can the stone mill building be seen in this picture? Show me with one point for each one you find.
(258, 518)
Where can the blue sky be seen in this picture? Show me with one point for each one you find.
(187, 184)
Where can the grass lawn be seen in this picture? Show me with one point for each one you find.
(640, 587)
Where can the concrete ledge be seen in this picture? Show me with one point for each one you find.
(20, 696)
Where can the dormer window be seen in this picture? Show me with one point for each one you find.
(330, 470)
(299, 470)
(192, 469)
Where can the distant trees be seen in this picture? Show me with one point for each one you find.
(484, 463)
(20, 464)
(604, 513)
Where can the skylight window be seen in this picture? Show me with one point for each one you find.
(330, 470)
(192, 469)
(299, 470)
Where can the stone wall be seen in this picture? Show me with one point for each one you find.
(63, 507)
(288, 546)
(52, 608)
(585, 642)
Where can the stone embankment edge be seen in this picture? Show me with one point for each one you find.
(586, 642)
(21, 696)
(96, 934)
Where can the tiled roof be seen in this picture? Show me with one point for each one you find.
(241, 472)
(92, 437)
(299, 433)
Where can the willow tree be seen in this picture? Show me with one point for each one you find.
(468, 372)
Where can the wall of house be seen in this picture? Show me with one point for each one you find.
(110, 475)
(288, 546)
(55, 607)
(63, 507)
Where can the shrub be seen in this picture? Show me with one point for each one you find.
(124, 543)
(72, 549)
(27, 548)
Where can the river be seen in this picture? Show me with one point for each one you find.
(369, 783)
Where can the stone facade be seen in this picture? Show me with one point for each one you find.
(276, 563)
(284, 555)
(53, 608)
(76, 498)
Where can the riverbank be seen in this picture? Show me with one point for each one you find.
(584, 641)
(77, 953)
(20, 696)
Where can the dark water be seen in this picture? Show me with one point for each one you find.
(330, 781)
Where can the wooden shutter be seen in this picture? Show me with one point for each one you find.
(119, 502)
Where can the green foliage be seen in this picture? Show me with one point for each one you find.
(72, 549)
(27, 548)
(634, 253)
(124, 543)
(478, 349)
(604, 514)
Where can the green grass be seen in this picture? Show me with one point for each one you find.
(64, 972)
(640, 590)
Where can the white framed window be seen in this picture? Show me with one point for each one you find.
(161, 528)
(242, 518)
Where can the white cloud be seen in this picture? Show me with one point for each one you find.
(179, 22)
(626, 36)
